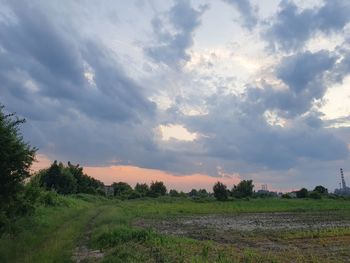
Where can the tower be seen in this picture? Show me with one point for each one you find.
(342, 179)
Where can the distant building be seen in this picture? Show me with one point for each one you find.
(109, 191)
(343, 189)
(265, 192)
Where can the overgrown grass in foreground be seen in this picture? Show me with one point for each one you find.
(52, 233)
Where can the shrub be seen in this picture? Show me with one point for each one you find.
(134, 195)
(174, 193)
(315, 195)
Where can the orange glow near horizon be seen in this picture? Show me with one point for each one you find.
(134, 174)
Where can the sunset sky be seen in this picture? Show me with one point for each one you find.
(187, 92)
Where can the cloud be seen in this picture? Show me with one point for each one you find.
(292, 27)
(306, 77)
(171, 45)
(54, 60)
(43, 78)
(247, 12)
(236, 130)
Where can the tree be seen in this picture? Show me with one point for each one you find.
(220, 191)
(321, 190)
(59, 178)
(302, 193)
(85, 183)
(68, 179)
(121, 189)
(243, 189)
(16, 157)
(157, 188)
(142, 189)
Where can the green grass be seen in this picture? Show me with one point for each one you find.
(50, 234)
(53, 232)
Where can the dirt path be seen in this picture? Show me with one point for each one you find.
(82, 253)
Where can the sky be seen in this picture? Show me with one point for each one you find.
(188, 92)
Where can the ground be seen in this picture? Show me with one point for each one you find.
(91, 229)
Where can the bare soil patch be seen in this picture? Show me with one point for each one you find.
(261, 231)
(249, 222)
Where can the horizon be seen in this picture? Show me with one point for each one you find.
(189, 92)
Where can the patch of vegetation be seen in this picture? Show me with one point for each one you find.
(16, 157)
(68, 179)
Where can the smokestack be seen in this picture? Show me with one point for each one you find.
(342, 179)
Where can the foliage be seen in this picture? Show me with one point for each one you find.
(85, 184)
(16, 157)
(174, 193)
(142, 189)
(68, 179)
(243, 189)
(203, 193)
(121, 189)
(157, 188)
(286, 196)
(220, 191)
(315, 195)
(58, 178)
(193, 193)
(302, 193)
(321, 189)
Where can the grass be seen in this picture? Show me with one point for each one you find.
(49, 235)
(52, 234)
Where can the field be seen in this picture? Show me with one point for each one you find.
(85, 228)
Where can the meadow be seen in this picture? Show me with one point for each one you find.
(85, 228)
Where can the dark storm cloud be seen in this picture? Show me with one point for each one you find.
(41, 61)
(292, 27)
(43, 78)
(171, 46)
(247, 12)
